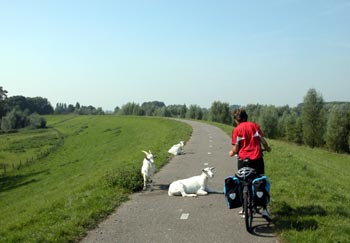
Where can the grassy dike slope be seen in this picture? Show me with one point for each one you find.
(310, 196)
(58, 197)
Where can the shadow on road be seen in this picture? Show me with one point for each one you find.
(163, 187)
(264, 230)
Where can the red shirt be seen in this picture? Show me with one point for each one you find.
(246, 135)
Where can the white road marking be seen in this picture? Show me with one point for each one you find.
(206, 164)
(184, 216)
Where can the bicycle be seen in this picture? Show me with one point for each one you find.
(246, 175)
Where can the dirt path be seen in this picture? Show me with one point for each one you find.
(156, 217)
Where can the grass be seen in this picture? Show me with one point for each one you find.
(310, 197)
(61, 195)
(20, 149)
(93, 164)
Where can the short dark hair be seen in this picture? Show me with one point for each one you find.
(240, 115)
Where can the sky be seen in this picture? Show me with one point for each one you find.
(194, 52)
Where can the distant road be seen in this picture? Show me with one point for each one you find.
(156, 217)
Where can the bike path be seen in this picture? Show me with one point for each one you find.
(155, 217)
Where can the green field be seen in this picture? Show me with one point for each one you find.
(57, 197)
(63, 180)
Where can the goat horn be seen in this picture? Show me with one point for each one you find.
(144, 152)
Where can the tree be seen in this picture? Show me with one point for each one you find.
(253, 112)
(37, 104)
(313, 119)
(8, 122)
(163, 112)
(220, 112)
(282, 115)
(337, 132)
(268, 121)
(70, 108)
(3, 95)
(99, 111)
(132, 108)
(194, 112)
(14, 119)
(60, 108)
(116, 110)
(183, 111)
(150, 107)
(77, 107)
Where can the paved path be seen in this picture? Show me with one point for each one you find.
(155, 217)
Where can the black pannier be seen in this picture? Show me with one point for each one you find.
(261, 191)
(233, 192)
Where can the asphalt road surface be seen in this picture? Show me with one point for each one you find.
(156, 217)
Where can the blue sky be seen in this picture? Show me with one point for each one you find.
(107, 53)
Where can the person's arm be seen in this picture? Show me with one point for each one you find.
(265, 144)
(234, 150)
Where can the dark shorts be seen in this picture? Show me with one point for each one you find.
(257, 164)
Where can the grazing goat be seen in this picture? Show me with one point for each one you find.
(193, 186)
(147, 170)
(177, 149)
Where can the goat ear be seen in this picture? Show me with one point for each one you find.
(212, 168)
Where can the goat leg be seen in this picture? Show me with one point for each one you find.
(144, 182)
(151, 181)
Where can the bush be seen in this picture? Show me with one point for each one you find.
(17, 119)
(127, 178)
(9, 121)
(36, 121)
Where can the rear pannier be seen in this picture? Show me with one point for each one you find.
(233, 192)
(261, 191)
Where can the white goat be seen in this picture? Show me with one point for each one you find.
(193, 186)
(147, 169)
(177, 149)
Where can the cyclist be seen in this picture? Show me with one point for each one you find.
(246, 140)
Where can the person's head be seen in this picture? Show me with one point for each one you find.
(240, 115)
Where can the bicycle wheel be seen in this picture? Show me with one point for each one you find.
(248, 211)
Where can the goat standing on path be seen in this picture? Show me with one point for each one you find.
(147, 170)
(193, 186)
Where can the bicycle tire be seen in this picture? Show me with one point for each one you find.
(250, 212)
(247, 209)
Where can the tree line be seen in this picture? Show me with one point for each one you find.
(63, 108)
(18, 111)
(313, 122)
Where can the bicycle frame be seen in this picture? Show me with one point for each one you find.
(246, 175)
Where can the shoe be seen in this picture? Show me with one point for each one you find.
(265, 214)
(241, 213)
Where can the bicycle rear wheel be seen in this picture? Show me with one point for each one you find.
(248, 210)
